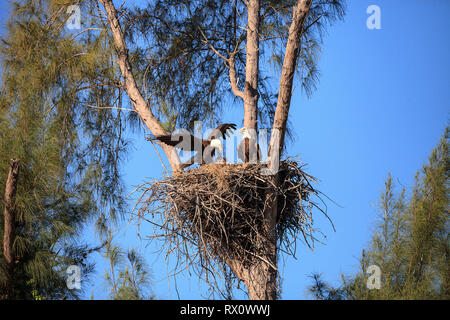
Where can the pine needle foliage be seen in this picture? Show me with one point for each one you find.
(411, 242)
(69, 152)
(175, 62)
(128, 276)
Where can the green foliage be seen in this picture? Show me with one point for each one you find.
(411, 242)
(275, 27)
(69, 152)
(177, 66)
(320, 290)
(129, 275)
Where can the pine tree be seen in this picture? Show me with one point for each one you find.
(411, 243)
(54, 197)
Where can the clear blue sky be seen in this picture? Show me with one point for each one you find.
(381, 106)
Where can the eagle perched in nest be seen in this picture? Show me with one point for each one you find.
(247, 147)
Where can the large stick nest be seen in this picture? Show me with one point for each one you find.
(217, 210)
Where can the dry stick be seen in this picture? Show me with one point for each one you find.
(10, 223)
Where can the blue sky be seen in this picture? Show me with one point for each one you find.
(381, 106)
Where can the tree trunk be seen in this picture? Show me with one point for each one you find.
(260, 278)
(10, 223)
(263, 276)
(252, 66)
(299, 15)
(261, 281)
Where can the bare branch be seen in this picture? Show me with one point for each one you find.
(233, 78)
(300, 12)
(210, 45)
(252, 65)
(138, 101)
(87, 29)
(117, 108)
(9, 224)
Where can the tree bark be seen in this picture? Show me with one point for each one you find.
(10, 223)
(252, 66)
(265, 275)
(299, 14)
(138, 101)
(261, 277)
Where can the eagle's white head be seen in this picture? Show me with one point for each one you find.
(245, 133)
(217, 143)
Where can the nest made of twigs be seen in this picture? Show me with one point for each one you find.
(218, 210)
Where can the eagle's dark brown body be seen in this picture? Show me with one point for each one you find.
(244, 150)
(194, 142)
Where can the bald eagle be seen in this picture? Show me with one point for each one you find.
(208, 146)
(248, 144)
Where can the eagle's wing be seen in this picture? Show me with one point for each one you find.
(178, 140)
(224, 130)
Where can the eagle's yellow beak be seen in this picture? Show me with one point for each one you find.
(242, 130)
